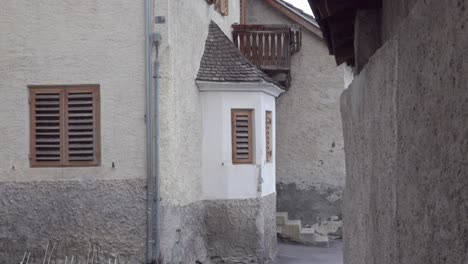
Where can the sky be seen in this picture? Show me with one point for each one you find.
(302, 4)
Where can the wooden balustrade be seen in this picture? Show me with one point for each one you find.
(267, 47)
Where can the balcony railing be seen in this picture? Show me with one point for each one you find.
(269, 47)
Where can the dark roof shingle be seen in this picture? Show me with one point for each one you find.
(223, 62)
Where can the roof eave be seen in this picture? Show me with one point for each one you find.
(336, 19)
(261, 86)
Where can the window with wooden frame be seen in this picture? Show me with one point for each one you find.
(222, 6)
(64, 126)
(269, 136)
(242, 136)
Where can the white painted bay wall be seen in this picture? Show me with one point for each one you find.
(74, 42)
(221, 179)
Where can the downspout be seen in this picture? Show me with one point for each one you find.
(157, 40)
(149, 135)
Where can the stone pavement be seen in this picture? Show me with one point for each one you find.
(299, 254)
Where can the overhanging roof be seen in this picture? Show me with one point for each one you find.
(336, 20)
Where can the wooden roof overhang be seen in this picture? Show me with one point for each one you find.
(336, 20)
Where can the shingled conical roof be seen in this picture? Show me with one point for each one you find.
(223, 62)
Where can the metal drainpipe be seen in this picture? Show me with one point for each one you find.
(149, 135)
(157, 40)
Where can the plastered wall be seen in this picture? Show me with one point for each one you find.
(183, 42)
(73, 42)
(70, 42)
(221, 178)
(310, 158)
(406, 142)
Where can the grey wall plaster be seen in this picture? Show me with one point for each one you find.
(309, 139)
(406, 141)
(241, 231)
(183, 233)
(109, 214)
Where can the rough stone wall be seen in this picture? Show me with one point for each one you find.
(406, 142)
(241, 231)
(309, 144)
(221, 231)
(108, 215)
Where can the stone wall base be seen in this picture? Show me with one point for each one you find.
(107, 219)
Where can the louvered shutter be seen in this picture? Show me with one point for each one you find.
(65, 126)
(242, 147)
(81, 126)
(269, 135)
(46, 133)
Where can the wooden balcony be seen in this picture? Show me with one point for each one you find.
(269, 47)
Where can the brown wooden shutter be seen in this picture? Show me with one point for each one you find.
(269, 135)
(242, 141)
(64, 126)
(81, 126)
(46, 132)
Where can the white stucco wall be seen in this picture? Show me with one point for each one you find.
(221, 179)
(74, 42)
(183, 41)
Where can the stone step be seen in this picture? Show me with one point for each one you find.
(293, 230)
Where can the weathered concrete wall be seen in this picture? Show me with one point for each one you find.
(406, 142)
(309, 144)
(393, 15)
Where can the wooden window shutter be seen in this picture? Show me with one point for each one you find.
(46, 132)
(242, 136)
(269, 135)
(222, 6)
(65, 126)
(81, 126)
